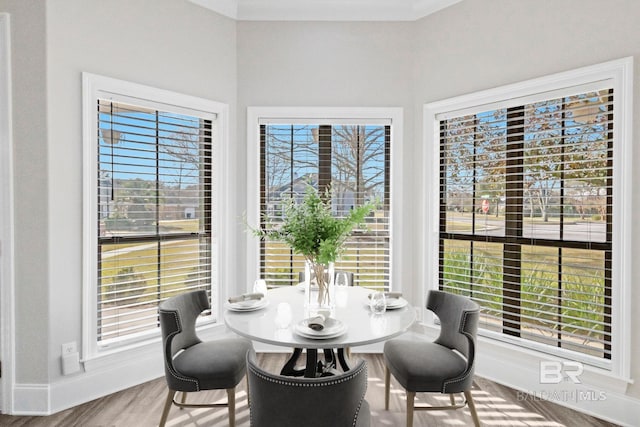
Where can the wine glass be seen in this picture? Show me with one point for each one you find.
(378, 303)
(260, 287)
(283, 315)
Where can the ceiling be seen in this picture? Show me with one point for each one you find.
(325, 10)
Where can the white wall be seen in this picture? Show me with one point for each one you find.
(169, 44)
(329, 64)
(28, 36)
(476, 45)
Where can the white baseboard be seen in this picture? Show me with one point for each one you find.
(595, 396)
(75, 390)
(31, 399)
(99, 378)
(43, 399)
(602, 398)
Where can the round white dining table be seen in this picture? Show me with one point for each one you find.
(276, 324)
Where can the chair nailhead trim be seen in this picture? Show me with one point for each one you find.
(468, 371)
(355, 418)
(173, 372)
(320, 384)
(305, 384)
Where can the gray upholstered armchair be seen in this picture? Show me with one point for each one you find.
(280, 401)
(443, 366)
(212, 365)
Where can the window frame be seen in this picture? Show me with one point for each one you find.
(335, 115)
(619, 74)
(95, 87)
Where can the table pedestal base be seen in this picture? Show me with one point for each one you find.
(315, 368)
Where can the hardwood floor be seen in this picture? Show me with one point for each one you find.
(141, 406)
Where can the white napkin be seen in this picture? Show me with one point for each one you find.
(246, 297)
(316, 323)
(389, 295)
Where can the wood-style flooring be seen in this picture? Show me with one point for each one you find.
(141, 406)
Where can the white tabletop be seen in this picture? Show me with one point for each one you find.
(363, 327)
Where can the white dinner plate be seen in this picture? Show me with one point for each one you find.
(249, 305)
(395, 303)
(332, 328)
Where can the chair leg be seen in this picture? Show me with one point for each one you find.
(472, 408)
(387, 381)
(411, 395)
(167, 407)
(231, 400)
(184, 398)
(452, 399)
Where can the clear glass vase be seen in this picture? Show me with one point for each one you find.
(319, 286)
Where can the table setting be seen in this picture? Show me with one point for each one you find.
(381, 301)
(279, 317)
(246, 302)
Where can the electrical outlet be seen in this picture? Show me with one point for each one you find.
(70, 358)
(70, 363)
(69, 348)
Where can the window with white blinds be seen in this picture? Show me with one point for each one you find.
(155, 211)
(526, 217)
(354, 161)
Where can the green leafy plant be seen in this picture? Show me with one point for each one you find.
(311, 229)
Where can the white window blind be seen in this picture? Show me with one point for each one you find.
(354, 160)
(155, 212)
(526, 208)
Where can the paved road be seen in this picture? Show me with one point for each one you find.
(580, 230)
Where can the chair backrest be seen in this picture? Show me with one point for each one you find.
(280, 401)
(178, 316)
(459, 317)
(349, 276)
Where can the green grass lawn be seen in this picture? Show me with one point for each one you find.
(556, 299)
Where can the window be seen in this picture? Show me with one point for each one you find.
(352, 156)
(528, 200)
(153, 205)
